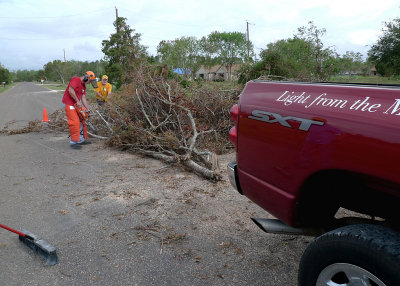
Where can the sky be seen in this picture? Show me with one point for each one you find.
(33, 33)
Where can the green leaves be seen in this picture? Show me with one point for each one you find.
(291, 59)
(230, 47)
(225, 49)
(122, 51)
(5, 75)
(385, 54)
(181, 53)
(304, 57)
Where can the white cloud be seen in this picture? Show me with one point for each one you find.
(363, 37)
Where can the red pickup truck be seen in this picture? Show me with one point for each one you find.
(307, 151)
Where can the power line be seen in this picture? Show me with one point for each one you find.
(53, 17)
(54, 38)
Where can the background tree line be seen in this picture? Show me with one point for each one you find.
(5, 75)
(301, 57)
(304, 57)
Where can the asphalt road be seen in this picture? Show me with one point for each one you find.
(122, 219)
(26, 102)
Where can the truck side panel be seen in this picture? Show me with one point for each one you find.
(288, 132)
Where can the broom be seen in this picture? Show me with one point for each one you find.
(40, 246)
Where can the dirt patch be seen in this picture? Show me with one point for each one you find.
(203, 225)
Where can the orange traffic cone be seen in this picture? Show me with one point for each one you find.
(45, 118)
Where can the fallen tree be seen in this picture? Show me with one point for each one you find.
(157, 117)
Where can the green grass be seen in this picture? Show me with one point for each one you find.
(90, 94)
(55, 86)
(7, 87)
(365, 79)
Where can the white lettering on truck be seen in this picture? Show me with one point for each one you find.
(395, 107)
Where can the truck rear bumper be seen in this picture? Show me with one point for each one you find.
(233, 176)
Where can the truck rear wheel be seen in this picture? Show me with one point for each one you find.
(362, 254)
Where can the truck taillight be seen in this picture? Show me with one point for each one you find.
(234, 113)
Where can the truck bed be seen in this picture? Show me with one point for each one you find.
(304, 148)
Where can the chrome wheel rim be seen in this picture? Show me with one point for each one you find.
(344, 274)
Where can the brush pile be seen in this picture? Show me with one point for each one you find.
(155, 116)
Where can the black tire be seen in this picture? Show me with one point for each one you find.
(371, 253)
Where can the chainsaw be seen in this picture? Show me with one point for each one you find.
(83, 112)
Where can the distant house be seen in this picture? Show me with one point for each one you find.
(202, 73)
(218, 72)
(372, 71)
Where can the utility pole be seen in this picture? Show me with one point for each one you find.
(63, 75)
(116, 19)
(248, 44)
(117, 27)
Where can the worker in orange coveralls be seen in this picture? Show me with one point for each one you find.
(75, 94)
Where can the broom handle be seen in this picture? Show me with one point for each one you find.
(12, 230)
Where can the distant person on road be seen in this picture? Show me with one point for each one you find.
(75, 98)
(103, 91)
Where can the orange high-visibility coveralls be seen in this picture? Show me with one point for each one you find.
(74, 124)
